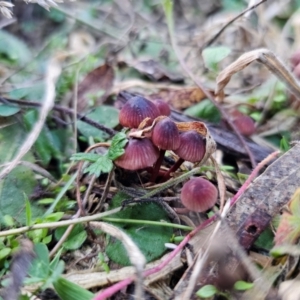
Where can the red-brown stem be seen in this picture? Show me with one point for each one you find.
(157, 165)
(167, 176)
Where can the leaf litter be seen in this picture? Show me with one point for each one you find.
(149, 220)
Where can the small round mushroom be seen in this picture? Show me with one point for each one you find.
(165, 136)
(243, 123)
(163, 107)
(199, 194)
(136, 110)
(192, 146)
(139, 154)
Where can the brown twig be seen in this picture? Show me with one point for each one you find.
(59, 108)
(217, 35)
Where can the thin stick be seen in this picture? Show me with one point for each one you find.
(59, 108)
(216, 36)
(20, 230)
(53, 72)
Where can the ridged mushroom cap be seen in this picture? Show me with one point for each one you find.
(192, 146)
(165, 135)
(139, 154)
(136, 110)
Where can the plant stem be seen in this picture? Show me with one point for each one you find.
(177, 164)
(157, 165)
(147, 222)
(60, 223)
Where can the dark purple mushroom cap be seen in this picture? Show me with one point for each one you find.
(165, 135)
(192, 146)
(136, 110)
(139, 154)
(163, 107)
(199, 194)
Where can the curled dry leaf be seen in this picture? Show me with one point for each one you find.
(264, 56)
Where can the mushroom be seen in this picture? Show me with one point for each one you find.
(191, 148)
(243, 123)
(163, 107)
(165, 136)
(199, 194)
(136, 110)
(139, 154)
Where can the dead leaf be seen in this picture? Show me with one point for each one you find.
(264, 56)
(180, 98)
(289, 290)
(95, 86)
(265, 197)
(155, 71)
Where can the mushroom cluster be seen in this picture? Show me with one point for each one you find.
(149, 150)
(146, 150)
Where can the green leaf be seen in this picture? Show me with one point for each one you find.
(150, 239)
(118, 143)
(265, 239)
(213, 55)
(40, 267)
(54, 217)
(284, 144)
(91, 157)
(105, 115)
(44, 145)
(243, 285)
(34, 92)
(13, 48)
(68, 290)
(102, 165)
(204, 110)
(207, 291)
(28, 212)
(4, 253)
(8, 221)
(6, 110)
(18, 182)
(75, 239)
(55, 273)
(278, 251)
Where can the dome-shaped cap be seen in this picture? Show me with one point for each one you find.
(139, 154)
(192, 146)
(199, 194)
(165, 135)
(136, 110)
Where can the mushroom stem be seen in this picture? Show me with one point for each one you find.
(178, 163)
(157, 165)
